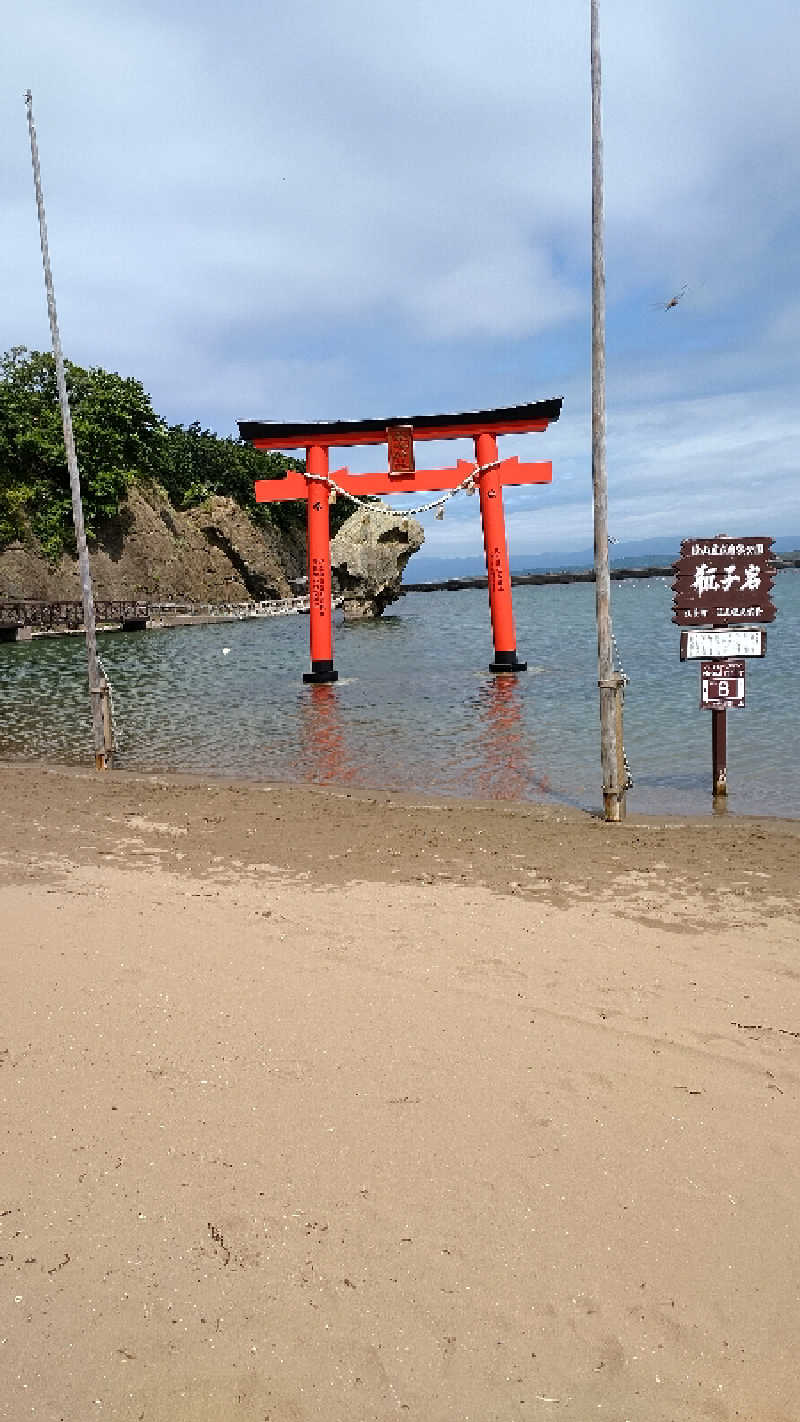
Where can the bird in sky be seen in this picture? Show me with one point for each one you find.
(673, 301)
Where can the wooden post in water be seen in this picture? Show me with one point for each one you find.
(98, 686)
(609, 682)
(719, 750)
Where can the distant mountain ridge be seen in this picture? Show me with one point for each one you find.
(641, 552)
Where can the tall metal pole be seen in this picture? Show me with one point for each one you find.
(98, 686)
(609, 682)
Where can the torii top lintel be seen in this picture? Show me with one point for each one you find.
(400, 434)
(294, 434)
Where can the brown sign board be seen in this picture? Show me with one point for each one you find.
(723, 643)
(721, 685)
(723, 580)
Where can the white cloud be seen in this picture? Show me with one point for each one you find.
(358, 208)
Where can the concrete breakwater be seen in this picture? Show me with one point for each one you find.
(566, 575)
(569, 575)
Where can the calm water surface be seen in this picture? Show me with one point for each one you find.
(416, 709)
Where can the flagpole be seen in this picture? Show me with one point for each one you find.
(610, 683)
(98, 686)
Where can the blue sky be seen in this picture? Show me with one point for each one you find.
(350, 209)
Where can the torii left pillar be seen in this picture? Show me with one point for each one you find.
(319, 566)
(490, 490)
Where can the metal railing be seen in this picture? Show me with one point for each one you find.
(68, 615)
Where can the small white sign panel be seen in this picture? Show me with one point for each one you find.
(723, 643)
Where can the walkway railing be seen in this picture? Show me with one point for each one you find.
(58, 616)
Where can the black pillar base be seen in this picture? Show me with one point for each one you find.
(507, 662)
(321, 671)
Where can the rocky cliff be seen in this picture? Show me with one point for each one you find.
(211, 553)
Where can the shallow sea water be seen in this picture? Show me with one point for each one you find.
(416, 709)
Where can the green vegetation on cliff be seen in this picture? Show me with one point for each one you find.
(119, 438)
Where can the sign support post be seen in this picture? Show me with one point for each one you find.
(719, 753)
(726, 582)
(722, 684)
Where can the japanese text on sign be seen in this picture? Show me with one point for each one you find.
(723, 581)
(317, 588)
(726, 550)
(735, 642)
(707, 578)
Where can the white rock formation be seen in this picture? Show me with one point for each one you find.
(368, 556)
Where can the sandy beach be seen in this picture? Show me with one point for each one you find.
(329, 1105)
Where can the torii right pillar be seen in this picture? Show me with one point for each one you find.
(490, 491)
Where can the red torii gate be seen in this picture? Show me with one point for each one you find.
(489, 471)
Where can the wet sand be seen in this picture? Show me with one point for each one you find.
(326, 1104)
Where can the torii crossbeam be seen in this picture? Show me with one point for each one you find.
(402, 477)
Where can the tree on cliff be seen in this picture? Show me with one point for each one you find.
(118, 437)
(117, 434)
(197, 463)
